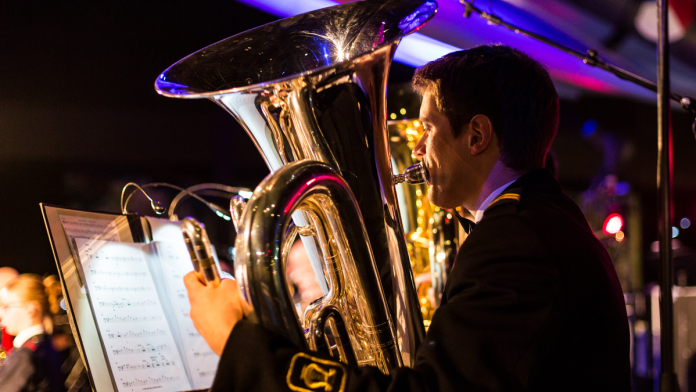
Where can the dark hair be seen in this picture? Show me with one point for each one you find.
(514, 91)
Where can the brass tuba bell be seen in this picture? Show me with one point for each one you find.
(312, 88)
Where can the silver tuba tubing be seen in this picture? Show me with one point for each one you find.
(352, 322)
(198, 245)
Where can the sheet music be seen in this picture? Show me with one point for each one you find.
(81, 227)
(139, 344)
(175, 262)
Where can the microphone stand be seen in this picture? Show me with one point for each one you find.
(668, 376)
(590, 58)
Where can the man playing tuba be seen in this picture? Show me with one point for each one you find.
(532, 302)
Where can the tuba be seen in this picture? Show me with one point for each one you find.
(310, 91)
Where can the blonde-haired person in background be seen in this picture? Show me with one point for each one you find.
(6, 275)
(33, 365)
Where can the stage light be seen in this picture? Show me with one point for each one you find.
(655, 246)
(680, 17)
(612, 224)
(414, 50)
(675, 232)
(685, 223)
(623, 188)
(588, 128)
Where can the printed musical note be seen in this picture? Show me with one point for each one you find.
(118, 274)
(198, 354)
(149, 381)
(124, 303)
(82, 227)
(131, 319)
(175, 262)
(89, 254)
(141, 334)
(146, 365)
(140, 349)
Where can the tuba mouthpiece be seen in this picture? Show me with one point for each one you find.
(414, 174)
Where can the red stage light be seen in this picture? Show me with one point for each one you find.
(612, 224)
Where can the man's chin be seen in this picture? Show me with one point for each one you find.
(437, 199)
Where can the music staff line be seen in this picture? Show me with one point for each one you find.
(118, 274)
(140, 349)
(112, 258)
(198, 354)
(149, 381)
(130, 334)
(130, 319)
(148, 365)
(86, 223)
(119, 289)
(96, 230)
(127, 304)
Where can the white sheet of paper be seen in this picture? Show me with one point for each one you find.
(175, 263)
(138, 342)
(165, 230)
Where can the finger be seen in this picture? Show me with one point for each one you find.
(191, 282)
(231, 288)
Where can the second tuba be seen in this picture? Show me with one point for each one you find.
(312, 88)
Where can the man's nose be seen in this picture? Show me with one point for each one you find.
(419, 148)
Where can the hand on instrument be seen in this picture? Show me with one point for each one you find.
(215, 310)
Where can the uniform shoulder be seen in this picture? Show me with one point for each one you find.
(20, 359)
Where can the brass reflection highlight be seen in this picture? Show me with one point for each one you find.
(431, 232)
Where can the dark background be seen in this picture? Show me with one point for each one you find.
(79, 118)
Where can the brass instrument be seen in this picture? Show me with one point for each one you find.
(431, 232)
(198, 245)
(352, 322)
(312, 87)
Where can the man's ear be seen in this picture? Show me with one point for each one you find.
(480, 134)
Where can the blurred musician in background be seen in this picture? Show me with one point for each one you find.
(300, 273)
(33, 365)
(6, 275)
(73, 373)
(532, 302)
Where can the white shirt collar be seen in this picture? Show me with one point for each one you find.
(27, 334)
(478, 214)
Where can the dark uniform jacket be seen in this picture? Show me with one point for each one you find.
(532, 303)
(34, 367)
